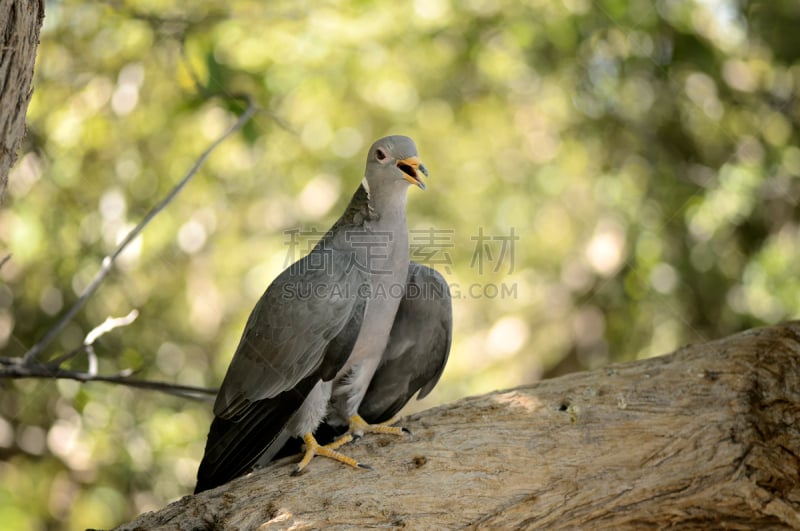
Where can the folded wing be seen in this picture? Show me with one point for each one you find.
(300, 332)
(418, 347)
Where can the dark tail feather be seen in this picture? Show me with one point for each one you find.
(234, 445)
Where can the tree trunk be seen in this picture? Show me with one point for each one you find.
(20, 22)
(705, 437)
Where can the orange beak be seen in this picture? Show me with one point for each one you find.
(412, 167)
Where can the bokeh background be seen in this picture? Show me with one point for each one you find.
(609, 180)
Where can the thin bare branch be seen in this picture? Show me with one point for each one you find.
(18, 369)
(33, 353)
(91, 356)
(63, 358)
(5, 259)
(109, 324)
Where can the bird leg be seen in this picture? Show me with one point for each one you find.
(328, 450)
(359, 426)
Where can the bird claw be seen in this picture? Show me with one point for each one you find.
(359, 426)
(328, 450)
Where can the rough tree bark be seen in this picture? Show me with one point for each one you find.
(20, 22)
(705, 437)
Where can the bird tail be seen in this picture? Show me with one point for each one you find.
(256, 434)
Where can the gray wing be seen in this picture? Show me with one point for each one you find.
(289, 330)
(418, 347)
(301, 331)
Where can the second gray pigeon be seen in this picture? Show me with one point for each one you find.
(344, 336)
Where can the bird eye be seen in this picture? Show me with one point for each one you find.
(379, 154)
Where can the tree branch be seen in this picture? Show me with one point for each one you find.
(108, 262)
(13, 368)
(706, 437)
(17, 368)
(29, 366)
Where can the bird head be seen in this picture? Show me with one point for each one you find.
(394, 159)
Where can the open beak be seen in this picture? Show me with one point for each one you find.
(412, 167)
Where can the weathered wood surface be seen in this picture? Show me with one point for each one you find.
(20, 22)
(705, 437)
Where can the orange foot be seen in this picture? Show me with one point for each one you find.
(359, 426)
(328, 450)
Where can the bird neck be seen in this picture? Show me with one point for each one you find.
(374, 209)
(388, 205)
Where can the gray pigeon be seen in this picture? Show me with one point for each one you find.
(342, 338)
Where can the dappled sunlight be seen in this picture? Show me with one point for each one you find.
(284, 519)
(605, 250)
(506, 337)
(515, 399)
(319, 195)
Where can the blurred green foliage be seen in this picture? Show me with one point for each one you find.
(645, 154)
